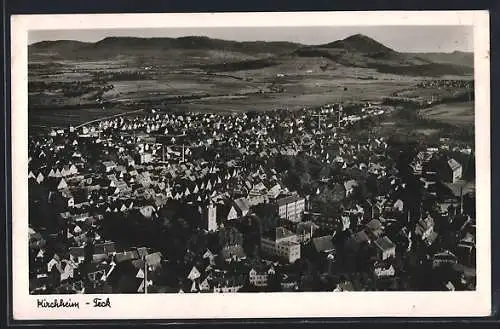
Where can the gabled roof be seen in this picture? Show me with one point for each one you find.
(242, 205)
(154, 259)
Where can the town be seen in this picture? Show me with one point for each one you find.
(305, 200)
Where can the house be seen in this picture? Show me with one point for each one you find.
(204, 285)
(257, 195)
(77, 254)
(242, 206)
(382, 270)
(344, 286)
(385, 248)
(61, 184)
(455, 169)
(323, 245)
(349, 186)
(105, 248)
(209, 255)
(443, 258)
(147, 211)
(153, 260)
(281, 243)
(291, 207)
(67, 269)
(227, 212)
(425, 229)
(447, 170)
(40, 178)
(126, 256)
(374, 229)
(108, 166)
(258, 276)
(228, 284)
(465, 252)
(232, 253)
(194, 274)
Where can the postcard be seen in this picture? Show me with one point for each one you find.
(251, 165)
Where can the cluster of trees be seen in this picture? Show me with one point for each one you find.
(69, 88)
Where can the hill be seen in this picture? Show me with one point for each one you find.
(361, 51)
(357, 51)
(455, 58)
(172, 49)
(359, 43)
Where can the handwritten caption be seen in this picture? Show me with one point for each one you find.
(71, 304)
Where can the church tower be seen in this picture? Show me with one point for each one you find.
(210, 217)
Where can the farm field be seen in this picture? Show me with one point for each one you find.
(459, 114)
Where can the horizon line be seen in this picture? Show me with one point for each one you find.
(243, 41)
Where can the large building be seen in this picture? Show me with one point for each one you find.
(281, 243)
(291, 207)
(447, 170)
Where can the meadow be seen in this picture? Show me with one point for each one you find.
(459, 114)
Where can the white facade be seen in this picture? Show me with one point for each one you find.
(223, 289)
(210, 217)
(258, 279)
(287, 250)
(292, 209)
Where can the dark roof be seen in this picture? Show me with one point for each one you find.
(323, 244)
(125, 256)
(384, 243)
(287, 200)
(77, 251)
(374, 225)
(278, 233)
(361, 237)
(105, 248)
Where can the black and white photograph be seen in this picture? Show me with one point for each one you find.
(253, 160)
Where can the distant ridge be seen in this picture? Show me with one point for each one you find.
(455, 57)
(223, 55)
(126, 44)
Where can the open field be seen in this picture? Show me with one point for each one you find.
(460, 114)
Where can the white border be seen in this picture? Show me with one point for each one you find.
(261, 305)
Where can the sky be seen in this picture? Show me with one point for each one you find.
(399, 38)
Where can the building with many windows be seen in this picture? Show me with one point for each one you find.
(281, 243)
(291, 207)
